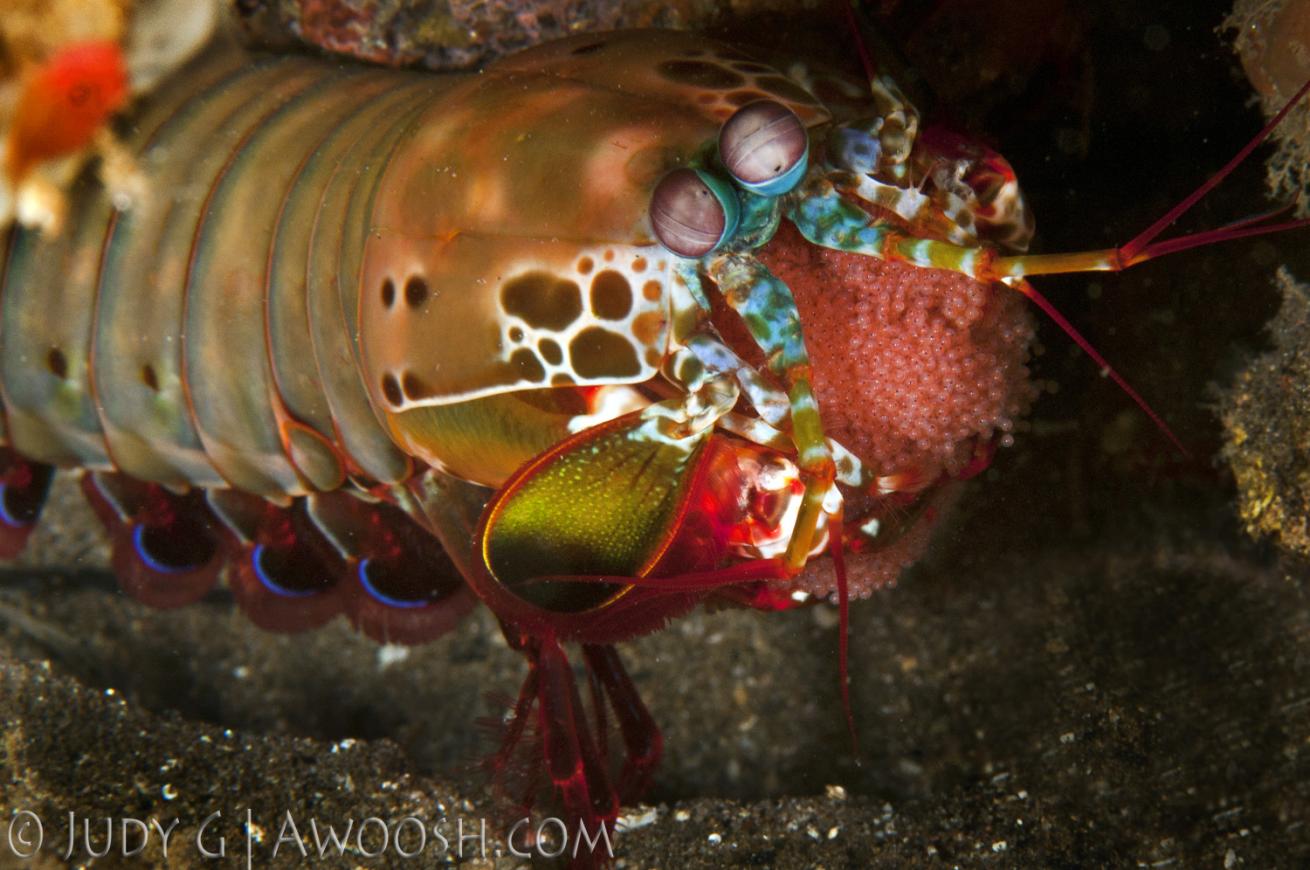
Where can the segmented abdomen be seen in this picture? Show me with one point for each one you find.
(206, 334)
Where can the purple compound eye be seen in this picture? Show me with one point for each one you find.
(692, 212)
(765, 147)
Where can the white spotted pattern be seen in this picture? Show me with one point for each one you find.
(645, 326)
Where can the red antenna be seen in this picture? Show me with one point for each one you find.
(853, 24)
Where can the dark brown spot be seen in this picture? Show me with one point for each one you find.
(700, 74)
(388, 293)
(416, 292)
(585, 265)
(414, 386)
(589, 47)
(515, 334)
(639, 264)
(149, 378)
(562, 379)
(652, 290)
(598, 353)
(611, 295)
(57, 363)
(526, 366)
(690, 370)
(648, 327)
(741, 98)
(785, 88)
(550, 351)
(653, 357)
(542, 300)
(391, 389)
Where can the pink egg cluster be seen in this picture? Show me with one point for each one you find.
(914, 368)
(911, 365)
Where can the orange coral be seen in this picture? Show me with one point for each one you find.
(63, 102)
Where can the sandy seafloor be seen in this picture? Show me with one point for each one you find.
(1093, 667)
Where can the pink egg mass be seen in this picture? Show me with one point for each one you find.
(916, 370)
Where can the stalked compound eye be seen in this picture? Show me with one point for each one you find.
(765, 147)
(693, 212)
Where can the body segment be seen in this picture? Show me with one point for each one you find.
(161, 360)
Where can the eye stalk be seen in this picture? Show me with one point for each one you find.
(693, 212)
(765, 147)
